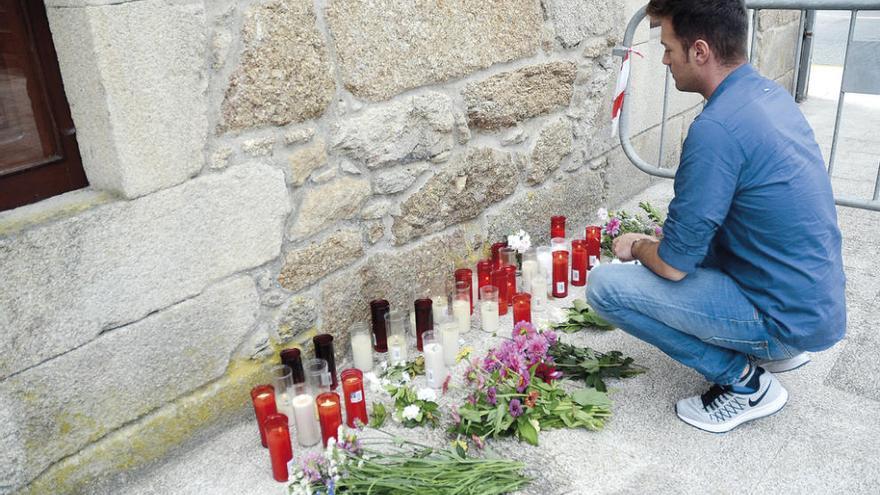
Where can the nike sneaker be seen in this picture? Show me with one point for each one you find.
(724, 407)
(783, 365)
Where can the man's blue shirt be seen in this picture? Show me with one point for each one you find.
(753, 199)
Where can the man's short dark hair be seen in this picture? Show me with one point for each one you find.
(723, 24)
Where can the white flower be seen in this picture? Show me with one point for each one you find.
(411, 411)
(535, 424)
(603, 215)
(405, 376)
(428, 394)
(521, 241)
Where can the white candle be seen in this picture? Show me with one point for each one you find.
(435, 369)
(449, 341)
(397, 348)
(539, 294)
(362, 350)
(529, 270)
(489, 315)
(305, 415)
(462, 311)
(412, 321)
(545, 261)
(284, 406)
(439, 306)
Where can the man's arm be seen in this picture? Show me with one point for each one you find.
(644, 248)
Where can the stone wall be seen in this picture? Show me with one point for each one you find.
(262, 169)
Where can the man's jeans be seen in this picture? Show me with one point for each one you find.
(703, 321)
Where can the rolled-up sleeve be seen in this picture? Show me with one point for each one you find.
(705, 184)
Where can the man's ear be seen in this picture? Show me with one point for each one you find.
(702, 54)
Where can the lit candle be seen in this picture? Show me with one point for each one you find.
(435, 369)
(263, 397)
(557, 226)
(461, 306)
(280, 450)
(467, 276)
(499, 280)
(539, 291)
(361, 346)
(594, 245)
(329, 414)
(529, 269)
(560, 273)
(545, 261)
(496, 258)
(439, 305)
(307, 429)
(522, 308)
(449, 339)
(355, 402)
(324, 350)
(511, 283)
(282, 382)
(424, 320)
(579, 263)
(489, 308)
(394, 323)
(378, 308)
(484, 274)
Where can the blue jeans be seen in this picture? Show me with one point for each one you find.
(703, 321)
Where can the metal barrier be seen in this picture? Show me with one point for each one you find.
(865, 80)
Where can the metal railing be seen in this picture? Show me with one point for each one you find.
(804, 6)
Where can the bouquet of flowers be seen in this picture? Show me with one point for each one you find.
(514, 391)
(397, 466)
(620, 222)
(521, 241)
(411, 408)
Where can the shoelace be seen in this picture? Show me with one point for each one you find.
(711, 398)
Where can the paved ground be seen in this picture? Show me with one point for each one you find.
(826, 440)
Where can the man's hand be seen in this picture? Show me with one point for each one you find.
(622, 246)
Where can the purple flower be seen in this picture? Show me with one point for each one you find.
(456, 418)
(612, 228)
(658, 231)
(524, 328)
(515, 408)
(524, 380)
(478, 441)
(537, 348)
(490, 395)
(472, 400)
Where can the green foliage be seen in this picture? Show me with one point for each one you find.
(583, 363)
(581, 316)
(622, 222)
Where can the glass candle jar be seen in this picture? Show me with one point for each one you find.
(355, 401)
(424, 320)
(489, 308)
(435, 368)
(522, 307)
(545, 261)
(558, 244)
(361, 346)
(496, 256)
(507, 256)
(511, 283)
(484, 274)
(282, 382)
(263, 397)
(539, 291)
(579, 263)
(557, 226)
(308, 432)
(499, 280)
(467, 276)
(529, 269)
(293, 359)
(593, 235)
(378, 309)
(324, 350)
(329, 415)
(560, 274)
(461, 306)
(280, 450)
(448, 331)
(395, 326)
(318, 376)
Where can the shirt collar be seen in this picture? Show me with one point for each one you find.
(742, 71)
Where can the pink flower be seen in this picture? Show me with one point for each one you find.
(515, 408)
(551, 337)
(478, 442)
(456, 418)
(658, 231)
(612, 228)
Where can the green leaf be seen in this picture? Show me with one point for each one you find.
(526, 430)
(580, 305)
(591, 397)
(378, 416)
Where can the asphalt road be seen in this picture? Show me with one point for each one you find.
(831, 29)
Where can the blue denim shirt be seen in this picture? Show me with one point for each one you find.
(753, 199)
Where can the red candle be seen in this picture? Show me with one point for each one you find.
(263, 397)
(378, 309)
(560, 273)
(579, 263)
(280, 451)
(355, 401)
(557, 226)
(424, 319)
(484, 274)
(329, 415)
(522, 308)
(496, 259)
(511, 282)
(467, 276)
(593, 235)
(499, 279)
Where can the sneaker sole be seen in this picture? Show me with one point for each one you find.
(755, 413)
(784, 365)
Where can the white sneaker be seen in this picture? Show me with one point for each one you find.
(723, 408)
(783, 365)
